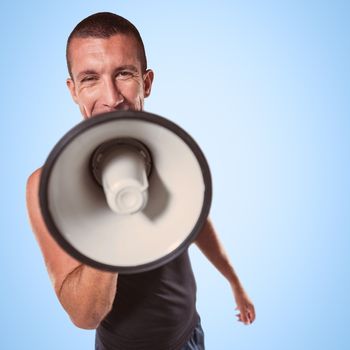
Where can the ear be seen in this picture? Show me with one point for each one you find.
(71, 86)
(147, 81)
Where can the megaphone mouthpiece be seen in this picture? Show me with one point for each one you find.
(122, 167)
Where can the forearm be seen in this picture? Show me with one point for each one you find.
(209, 243)
(87, 295)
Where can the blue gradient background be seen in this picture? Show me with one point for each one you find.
(263, 86)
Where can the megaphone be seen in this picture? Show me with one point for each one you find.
(126, 191)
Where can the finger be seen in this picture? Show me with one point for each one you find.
(244, 317)
(251, 313)
(246, 321)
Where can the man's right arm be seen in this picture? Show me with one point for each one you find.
(87, 294)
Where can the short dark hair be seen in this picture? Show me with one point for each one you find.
(104, 25)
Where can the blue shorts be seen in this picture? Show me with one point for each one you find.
(196, 342)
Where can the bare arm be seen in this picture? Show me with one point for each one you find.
(209, 243)
(85, 293)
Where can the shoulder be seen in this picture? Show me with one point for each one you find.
(32, 186)
(32, 192)
(34, 178)
(32, 189)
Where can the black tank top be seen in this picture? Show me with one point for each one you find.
(154, 310)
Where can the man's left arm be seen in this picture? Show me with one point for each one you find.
(209, 243)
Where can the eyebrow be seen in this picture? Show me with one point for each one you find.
(92, 72)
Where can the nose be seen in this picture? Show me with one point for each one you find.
(112, 96)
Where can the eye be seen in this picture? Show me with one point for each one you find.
(88, 78)
(124, 74)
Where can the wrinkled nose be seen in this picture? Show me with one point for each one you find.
(112, 96)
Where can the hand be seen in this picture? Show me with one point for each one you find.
(244, 306)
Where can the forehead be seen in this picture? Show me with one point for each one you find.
(119, 49)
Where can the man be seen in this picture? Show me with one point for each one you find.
(154, 310)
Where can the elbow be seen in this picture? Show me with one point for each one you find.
(85, 311)
(87, 322)
(84, 324)
(89, 318)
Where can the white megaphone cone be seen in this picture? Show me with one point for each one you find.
(125, 191)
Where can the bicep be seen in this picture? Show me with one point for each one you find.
(59, 264)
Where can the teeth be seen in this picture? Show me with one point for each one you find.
(122, 107)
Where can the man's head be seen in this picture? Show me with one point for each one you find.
(107, 65)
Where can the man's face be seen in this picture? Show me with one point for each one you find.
(107, 75)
